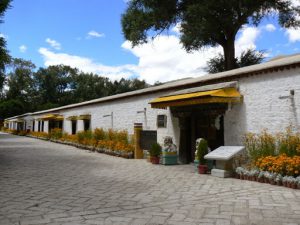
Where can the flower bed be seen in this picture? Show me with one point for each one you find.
(272, 158)
(282, 164)
(267, 177)
(111, 142)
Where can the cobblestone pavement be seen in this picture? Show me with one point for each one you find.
(48, 183)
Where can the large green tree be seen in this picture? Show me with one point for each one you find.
(203, 22)
(4, 56)
(20, 81)
(247, 58)
(54, 85)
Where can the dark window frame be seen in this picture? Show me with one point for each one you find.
(161, 121)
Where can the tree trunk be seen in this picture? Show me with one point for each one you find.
(229, 55)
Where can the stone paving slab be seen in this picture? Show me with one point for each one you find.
(47, 183)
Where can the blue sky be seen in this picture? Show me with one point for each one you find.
(87, 34)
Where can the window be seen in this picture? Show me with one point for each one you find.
(42, 126)
(86, 124)
(74, 126)
(161, 121)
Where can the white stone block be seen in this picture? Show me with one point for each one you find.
(220, 173)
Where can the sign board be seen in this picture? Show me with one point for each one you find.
(148, 137)
(224, 152)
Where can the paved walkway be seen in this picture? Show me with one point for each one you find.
(47, 183)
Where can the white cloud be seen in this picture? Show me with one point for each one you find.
(270, 27)
(94, 34)
(246, 39)
(176, 28)
(23, 48)
(162, 59)
(295, 3)
(86, 64)
(53, 43)
(293, 34)
(3, 36)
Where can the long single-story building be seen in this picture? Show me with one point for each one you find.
(219, 107)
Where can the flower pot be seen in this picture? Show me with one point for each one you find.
(154, 159)
(202, 169)
(293, 185)
(266, 180)
(169, 159)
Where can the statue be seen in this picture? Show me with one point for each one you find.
(169, 147)
(169, 156)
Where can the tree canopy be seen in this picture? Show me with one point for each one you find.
(247, 58)
(28, 89)
(4, 56)
(203, 23)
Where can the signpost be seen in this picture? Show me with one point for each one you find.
(148, 137)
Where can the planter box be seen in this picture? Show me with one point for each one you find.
(169, 159)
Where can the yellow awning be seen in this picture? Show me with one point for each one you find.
(59, 118)
(72, 118)
(84, 117)
(52, 117)
(223, 95)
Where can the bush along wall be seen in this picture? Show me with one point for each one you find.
(112, 142)
(272, 158)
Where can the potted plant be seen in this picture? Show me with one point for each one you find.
(155, 152)
(298, 182)
(239, 171)
(202, 150)
(278, 179)
(284, 181)
(260, 177)
(253, 174)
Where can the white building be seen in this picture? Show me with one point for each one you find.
(220, 107)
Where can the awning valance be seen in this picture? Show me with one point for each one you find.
(84, 117)
(222, 95)
(72, 118)
(52, 117)
(59, 118)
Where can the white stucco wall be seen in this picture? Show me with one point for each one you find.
(263, 107)
(125, 114)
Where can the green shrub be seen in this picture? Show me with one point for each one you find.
(155, 150)
(22, 133)
(122, 136)
(288, 142)
(111, 134)
(82, 136)
(202, 150)
(99, 134)
(56, 133)
(260, 145)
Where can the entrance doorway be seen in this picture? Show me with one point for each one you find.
(201, 121)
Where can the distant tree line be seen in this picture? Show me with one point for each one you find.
(27, 89)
